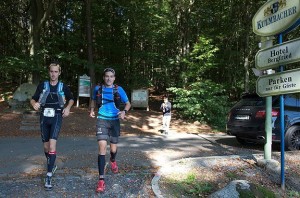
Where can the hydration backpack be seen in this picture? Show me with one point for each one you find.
(116, 100)
(46, 91)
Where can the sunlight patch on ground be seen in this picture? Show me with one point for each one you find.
(161, 159)
(175, 169)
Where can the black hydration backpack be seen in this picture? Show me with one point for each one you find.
(46, 91)
(117, 98)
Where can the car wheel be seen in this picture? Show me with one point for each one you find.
(244, 142)
(292, 138)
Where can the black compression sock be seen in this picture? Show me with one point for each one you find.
(101, 164)
(51, 161)
(113, 156)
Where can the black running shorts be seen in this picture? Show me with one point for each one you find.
(50, 126)
(108, 129)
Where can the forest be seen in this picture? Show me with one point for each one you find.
(199, 52)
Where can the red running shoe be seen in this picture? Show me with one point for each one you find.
(114, 167)
(100, 186)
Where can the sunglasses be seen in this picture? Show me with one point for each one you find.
(109, 70)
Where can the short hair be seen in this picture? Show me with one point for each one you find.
(55, 63)
(109, 70)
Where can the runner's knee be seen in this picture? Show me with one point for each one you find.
(114, 140)
(102, 147)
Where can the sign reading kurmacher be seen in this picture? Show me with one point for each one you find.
(275, 16)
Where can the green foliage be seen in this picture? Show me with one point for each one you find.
(139, 82)
(231, 175)
(190, 186)
(190, 41)
(256, 191)
(201, 60)
(293, 194)
(18, 67)
(193, 186)
(203, 101)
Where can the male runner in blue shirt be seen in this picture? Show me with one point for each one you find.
(108, 123)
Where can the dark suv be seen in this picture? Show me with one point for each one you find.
(246, 120)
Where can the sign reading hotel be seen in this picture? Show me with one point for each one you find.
(275, 16)
(288, 52)
(278, 83)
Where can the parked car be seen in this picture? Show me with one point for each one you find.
(246, 120)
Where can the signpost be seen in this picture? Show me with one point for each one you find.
(140, 98)
(288, 52)
(84, 87)
(276, 17)
(279, 83)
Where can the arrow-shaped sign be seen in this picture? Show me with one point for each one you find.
(278, 83)
(288, 52)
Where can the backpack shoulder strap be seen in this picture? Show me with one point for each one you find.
(46, 85)
(60, 86)
(115, 89)
(99, 96)
(100, 89)
(117, 99)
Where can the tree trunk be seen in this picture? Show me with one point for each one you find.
(38, 19)
(246, 65)
(90, 44)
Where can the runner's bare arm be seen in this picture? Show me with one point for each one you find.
(92, 113)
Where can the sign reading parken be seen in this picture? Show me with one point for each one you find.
(275, 16)
(288, 52)
(279, 83)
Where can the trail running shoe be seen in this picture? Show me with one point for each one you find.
(100, 186)
(48, 183)
(54, 169)
(114, 167)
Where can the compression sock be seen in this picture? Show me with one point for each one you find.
(101, 164)
(51, 161)
(113, 156)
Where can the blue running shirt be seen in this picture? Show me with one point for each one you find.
(108, 110)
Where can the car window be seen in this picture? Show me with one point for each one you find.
(252, 102)
(292, 100)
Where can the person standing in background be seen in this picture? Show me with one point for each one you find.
(166, 109)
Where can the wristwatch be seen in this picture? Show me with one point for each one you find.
(125, 110)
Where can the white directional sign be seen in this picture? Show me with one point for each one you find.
(288, 52)
(278, 83)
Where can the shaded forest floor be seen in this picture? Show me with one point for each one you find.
(138, 121)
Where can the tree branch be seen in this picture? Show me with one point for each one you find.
(47, 13)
